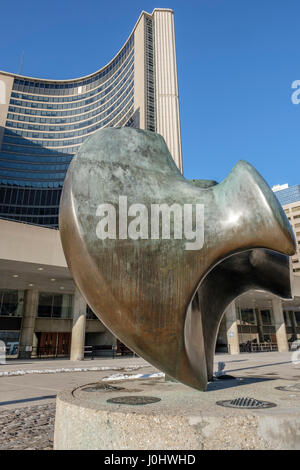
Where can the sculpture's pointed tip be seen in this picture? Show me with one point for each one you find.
(266, 211)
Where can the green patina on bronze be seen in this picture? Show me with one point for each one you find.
(144, 290)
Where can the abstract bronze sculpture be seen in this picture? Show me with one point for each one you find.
(162, 300)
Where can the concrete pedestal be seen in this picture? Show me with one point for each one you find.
(183, 418)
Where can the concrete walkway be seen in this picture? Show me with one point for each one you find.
(35, 366)
(43, 379)
(284, 365)
(39, 381)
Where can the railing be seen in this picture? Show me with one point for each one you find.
(106, 351)
(99, 351)
(258, 347)
(90, 352)
(50, 351)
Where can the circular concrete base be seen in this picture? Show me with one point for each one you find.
(183, 418)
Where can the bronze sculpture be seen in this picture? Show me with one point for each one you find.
(162, 300)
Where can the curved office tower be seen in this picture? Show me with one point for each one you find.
(44, 122)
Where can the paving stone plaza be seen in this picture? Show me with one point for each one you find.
(28, 428)
(27, 419)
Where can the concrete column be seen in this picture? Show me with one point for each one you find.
(78, 328)
(232, 330)
(28, 323)
(279, 325)
(293, 323)
(114, 345)
(260, 326)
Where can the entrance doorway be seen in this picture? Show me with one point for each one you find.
(53, 344)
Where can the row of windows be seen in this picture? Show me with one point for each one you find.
(99, 104)
(96, 112)
(47, 159)
(50, 222)
(32, 183)
(288, 195)
(14, 196)
(29, 211)
(50, 305)
(107, 93)
(293, 209)
(38, 167)
(31, 174)
(54, 305)
(34, 198)
(294, 217)
(128, 102)
(49, 180)
(150, 91)
(33, 86)
(99, 115)
(11, 303)
(79, 96)
(248, 316)
(37, 150)
(19, 114)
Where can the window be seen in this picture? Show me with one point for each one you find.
(296, 209)
(90, 314)
(266, 317)
(54, 305)
(11, 303)
(287, 319)
(248, 316)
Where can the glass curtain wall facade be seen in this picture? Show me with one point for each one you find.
(44, 122)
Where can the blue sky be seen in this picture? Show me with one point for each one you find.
(236, 63)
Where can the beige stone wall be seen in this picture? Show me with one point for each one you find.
(95, 326)
(6, 83)
(167, 102)
(32, 244)
(53, 325)
(61, 325)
